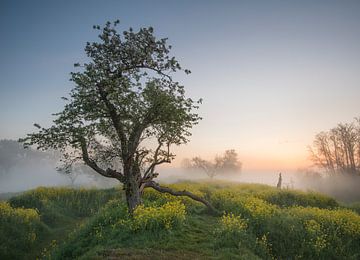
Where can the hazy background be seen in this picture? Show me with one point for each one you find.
(272, 73)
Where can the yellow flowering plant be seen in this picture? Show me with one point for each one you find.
(25, 223)
(152, 218)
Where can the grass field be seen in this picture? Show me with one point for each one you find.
(254, 222)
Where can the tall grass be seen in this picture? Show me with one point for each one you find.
(19, 231)
(259, 221)
(31, 218)
(54, 203)
(306, 231)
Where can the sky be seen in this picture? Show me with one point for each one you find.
(272, 74)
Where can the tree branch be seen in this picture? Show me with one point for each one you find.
(149, 173)
(114, 117)
(109, 173)
(156, 186)
(144, 66)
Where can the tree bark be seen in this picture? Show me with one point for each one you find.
(132, 193)
(132, 187)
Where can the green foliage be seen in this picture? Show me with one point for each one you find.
(301, 232)
(154, 218)
(249, 206)
(19, 231)
(114, 222)
(124, 112)
(153, 197)
(54, 202)
(58, 210)
(288, 198)
(330, 232)
(259, 222)
(355, 207)
(231, 231)
(95, 231)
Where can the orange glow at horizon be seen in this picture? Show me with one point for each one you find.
(288, 157)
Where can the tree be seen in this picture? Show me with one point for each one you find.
(12, 154)
(338, 150)
(125, 109)
(228, 163)
(78, 169)
(74, 171)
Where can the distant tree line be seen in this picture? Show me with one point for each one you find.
(338, 150)
(12, 154)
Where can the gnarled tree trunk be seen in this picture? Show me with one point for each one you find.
(133, 196)
(132, 188)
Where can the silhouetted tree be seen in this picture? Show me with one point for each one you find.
(338, 150)
(10, 154)
(227, 163)
(13, 154)
(123, 101)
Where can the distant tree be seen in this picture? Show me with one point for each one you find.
(227, 163)
(338, 150)
(78, 169)
(13, 154)
(124, 100)
(72, 172)
(10, 154)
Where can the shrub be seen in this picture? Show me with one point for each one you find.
(19, 229)
(231, 231)
(330, 232)
(253, 208)
(169, 215)
(299, 232)
(232, 223)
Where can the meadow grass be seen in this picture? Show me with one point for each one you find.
(257, 222)
(33, 222)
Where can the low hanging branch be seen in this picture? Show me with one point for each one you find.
(162, 189)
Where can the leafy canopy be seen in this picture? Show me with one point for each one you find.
(123, 96)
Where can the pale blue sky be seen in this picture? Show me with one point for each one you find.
(272, 73)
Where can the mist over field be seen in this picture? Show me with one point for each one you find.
(342, 187)
(22, 178)
(180, 129)
(23, 169)
(42, 172)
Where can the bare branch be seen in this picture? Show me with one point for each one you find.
(149, 173)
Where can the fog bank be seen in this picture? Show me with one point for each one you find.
(343, 187)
